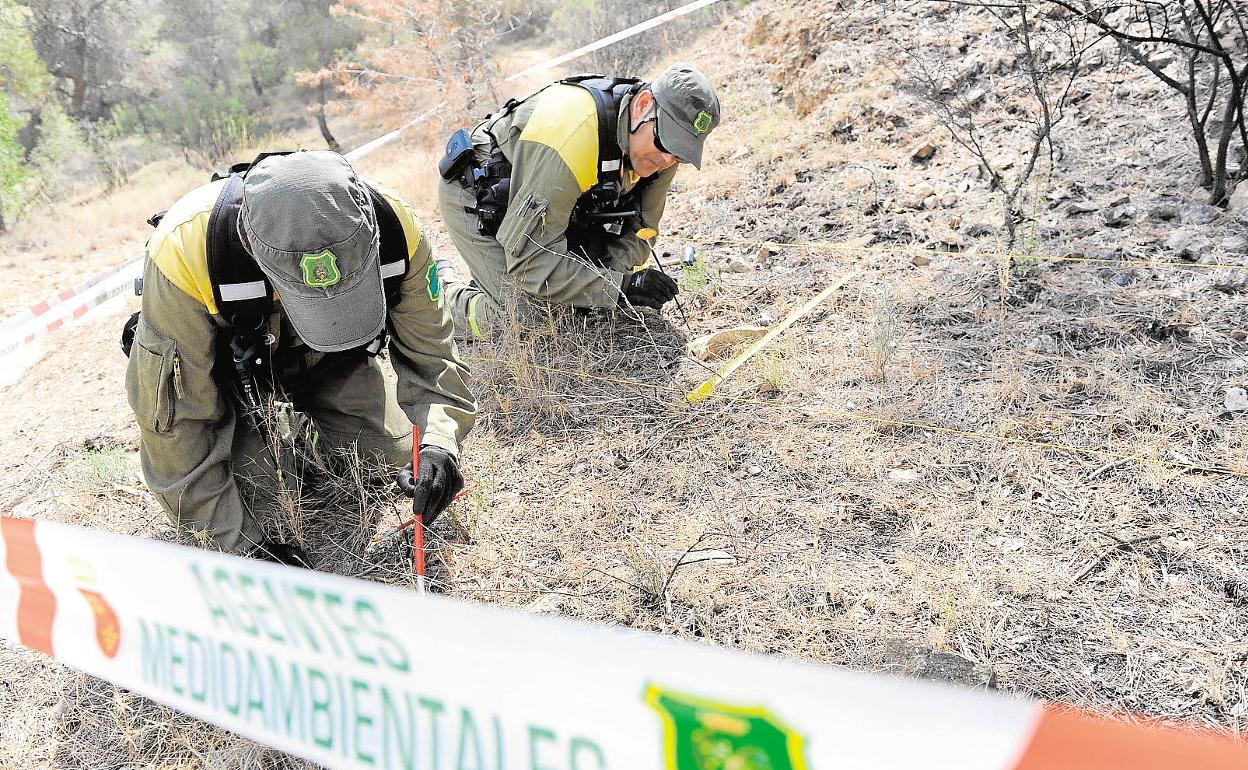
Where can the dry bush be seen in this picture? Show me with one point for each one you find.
(420, 54)
(580, 22)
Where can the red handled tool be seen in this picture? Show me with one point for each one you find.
(418, 521)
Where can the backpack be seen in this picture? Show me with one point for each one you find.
(243, 294)
(591, 221)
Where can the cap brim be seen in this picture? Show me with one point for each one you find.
(351, 318)
(680, 141)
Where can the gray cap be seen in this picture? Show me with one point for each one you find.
(688, 110)
(309, 222)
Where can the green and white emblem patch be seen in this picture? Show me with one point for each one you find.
(706, 735)
(703, 122)
(435, 283)
(320, 270)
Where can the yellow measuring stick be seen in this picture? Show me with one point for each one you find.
(703, 391)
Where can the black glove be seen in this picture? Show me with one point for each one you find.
(649, 288)
(437, 484)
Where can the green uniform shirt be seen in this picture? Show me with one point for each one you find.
(187, 422)
(551, 141)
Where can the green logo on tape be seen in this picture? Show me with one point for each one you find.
(706, 735)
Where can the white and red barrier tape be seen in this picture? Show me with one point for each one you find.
(352, 674)
(24, 327)
(66, 307)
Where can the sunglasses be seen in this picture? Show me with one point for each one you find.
(658, 143)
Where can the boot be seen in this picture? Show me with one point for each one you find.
(282, 553)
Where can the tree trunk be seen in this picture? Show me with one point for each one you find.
(1219, 192)
(28, 137)
(1202, 144)
(255, 85)
(321, 122)
(4, 228)
(78, 99)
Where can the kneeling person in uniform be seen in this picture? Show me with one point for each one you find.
(558, 197)
(287, 277)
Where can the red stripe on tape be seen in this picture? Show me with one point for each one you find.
(36, 604)
(1069, 739)
(67, 294)
(58, 323)
(81, 310)
(41, 308)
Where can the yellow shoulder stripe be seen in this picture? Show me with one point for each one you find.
(566, 120)
(179, 247)
(411, 225)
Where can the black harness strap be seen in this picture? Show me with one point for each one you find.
(394, 252)
(608, 94)
(243, 295)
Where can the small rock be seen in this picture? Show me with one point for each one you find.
(721, 342)
(766, 319)
(903, 476)
(931, 203)
(1162, 59)
(1236, 400)
(901, 657)
(1198, 213)
(1189, 244)
(1122, 279)
(862, 241)
(1200, 195)
(918, 260)
(1118, 216)
(764, 255)
(1235, 244)
(736, 265)
(1237, 206)
(924, 150)
(946, 240)
(975, 96)
(1043, 343)
(1075, 208)
(1163, 212)
(948, 200)
(918, 194)
(755, 470)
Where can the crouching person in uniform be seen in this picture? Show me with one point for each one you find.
(288, 277)
(558, 197)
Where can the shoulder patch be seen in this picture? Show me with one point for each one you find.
(435, 283)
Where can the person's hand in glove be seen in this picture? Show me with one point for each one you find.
(435, 486)
(649, 288)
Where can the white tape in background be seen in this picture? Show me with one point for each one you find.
(624, 34)
(353, 674)
(29, 326)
